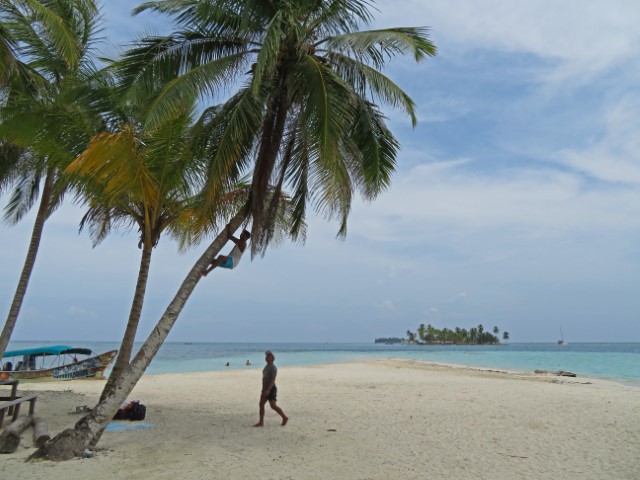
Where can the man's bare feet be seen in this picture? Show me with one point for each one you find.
(284, 421)
(259, 424)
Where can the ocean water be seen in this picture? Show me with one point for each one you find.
(616, 361)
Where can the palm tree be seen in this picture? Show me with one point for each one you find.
(505, 335)
(305, 118)
(458, 335)
(47, 47)
(137, 177)
(446, 335)
(411, 336)
(465, 336)
(431, 334)
(473, 335)
(421, 332)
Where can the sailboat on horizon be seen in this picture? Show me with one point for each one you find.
(561, 341)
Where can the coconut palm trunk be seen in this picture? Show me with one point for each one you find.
(272, 133)
(126, 346)
(72, 442)
(34, 244)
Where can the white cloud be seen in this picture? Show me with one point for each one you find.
(584, 37)
(616, 157)
(448, 197)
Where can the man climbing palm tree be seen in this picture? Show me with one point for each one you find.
(230, 261)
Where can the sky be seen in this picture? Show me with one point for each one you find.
(516, 202)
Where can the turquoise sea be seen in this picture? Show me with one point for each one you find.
(616, 361)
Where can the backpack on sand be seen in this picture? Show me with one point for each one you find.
(137, 411)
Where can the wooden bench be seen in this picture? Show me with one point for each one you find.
(15, 405)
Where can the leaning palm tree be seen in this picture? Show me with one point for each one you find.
(46, 45)
(304, 120)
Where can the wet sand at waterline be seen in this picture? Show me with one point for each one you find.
(378, 420)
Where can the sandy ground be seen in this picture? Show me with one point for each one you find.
(380, 420)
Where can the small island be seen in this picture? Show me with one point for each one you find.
(429, 335)
(390, 340)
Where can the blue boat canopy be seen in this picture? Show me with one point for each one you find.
(50, 350)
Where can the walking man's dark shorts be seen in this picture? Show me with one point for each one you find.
(273, 394)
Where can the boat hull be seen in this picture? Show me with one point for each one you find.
(92, 367)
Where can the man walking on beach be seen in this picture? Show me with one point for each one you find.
(230, 261)
(269, 389)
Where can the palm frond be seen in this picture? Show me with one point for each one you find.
(114, 162)
(57, 29)
(271, 48)
(364, 78)
(157, 60)
(326, 110)
(10, 161)
(7, 56)
(23, 197)
(206, 79)
(378, 149)
(338, 16)
(226, 136)
(219, 16)
(378, 46)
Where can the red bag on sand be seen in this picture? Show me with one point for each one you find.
(133, 411)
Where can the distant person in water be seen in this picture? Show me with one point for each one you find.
(269, 389)
(227, 364)
(230, 261)
(248, 363)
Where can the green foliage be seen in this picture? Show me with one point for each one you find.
(47, 113)
(305, 117)
(458, 336)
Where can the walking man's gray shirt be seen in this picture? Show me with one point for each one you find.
(268, 374)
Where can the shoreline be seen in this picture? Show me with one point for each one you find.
(374, 420)
(428, 363)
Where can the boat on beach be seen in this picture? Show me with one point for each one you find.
(56, 362)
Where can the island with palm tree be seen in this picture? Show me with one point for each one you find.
(429, 335)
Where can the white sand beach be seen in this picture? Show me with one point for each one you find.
(379, 420)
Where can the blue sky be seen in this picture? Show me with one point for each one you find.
(516, 203)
